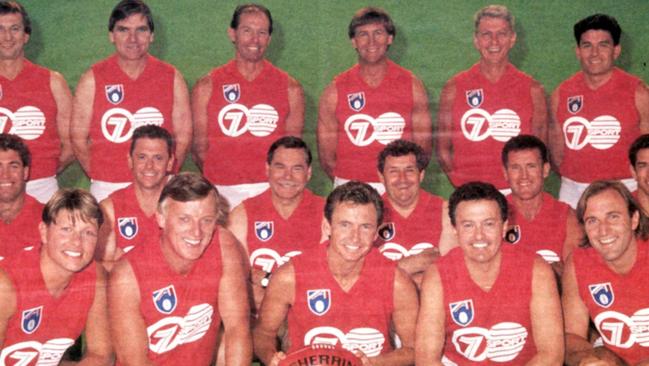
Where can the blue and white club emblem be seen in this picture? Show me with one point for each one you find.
(474, 97)
(356, 101)
(513, 234)
(319, 301)
(231, 92)
(387, 231)
(462, 312)
(602, 294)
(115, 93)
(164, 299)
(31, 319)
(575, 103)
(127, 227)
(264, 230)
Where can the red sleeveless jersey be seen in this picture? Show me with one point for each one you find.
(245, 118)
(28, 110)
(485, 116)
(494, 327)
(273, 240)
(122, 104)
(23, 230)
(43, 326)
(370, 118)
(132, 226)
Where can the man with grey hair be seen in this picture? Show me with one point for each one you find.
(483, 107)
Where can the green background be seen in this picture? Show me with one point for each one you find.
(434, 40)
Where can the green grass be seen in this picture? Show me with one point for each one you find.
(310, 42)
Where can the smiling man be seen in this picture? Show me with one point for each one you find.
(485, 302)
(240, 108)
(483, 107)
(639, 165)
(604, 282)
(130, 212)
(374, 102)
(49, 295)
(597, 112)
(168, 297)
(342, 292)
(127, 90)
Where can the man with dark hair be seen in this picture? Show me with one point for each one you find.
(49, 295)
(372, 103)
(604, 281)
(130, 211)
(536, 221)
(282, 221)
(597, 112)
(483, 107)
(18, 211)
(35, 104)
(241, 107)
(189, 279)
(123, 92)
(415, 229)
(342, 292)
(487, 302)
(639, 165)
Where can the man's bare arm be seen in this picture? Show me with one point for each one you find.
(127, 326)
(539, 111)
(7, 304)
(642, 105)
(422, 124)
(181, 119)
(444, 130)
(63, 99)
(555, 140)
(295, 117)
(430, 331)
(201, 94)
(327, 130)
(97, 336)
(82, 105)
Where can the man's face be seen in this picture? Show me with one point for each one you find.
(371, 41)
(132, 38)
(12, 36)
(641, 170)
(493, 40)
(288, 173)
(13, 176)
(479, 229)
(188, 227)
(69, 242)
(150, 163)
(252, 36)
(597, 53)
(352, 230)
(525, 173)
(608, 225)
(402, 180)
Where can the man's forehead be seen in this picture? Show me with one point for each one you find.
(606, 34)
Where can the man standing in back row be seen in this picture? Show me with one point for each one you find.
(240, 108)
(369, 105)
(123, 92)
(483, 107)
(598, 112)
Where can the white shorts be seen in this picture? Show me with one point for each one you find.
(571, 191)
(43, 188)
(235, 194)
(102, 190)
(378, 186)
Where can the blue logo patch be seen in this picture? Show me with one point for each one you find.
(602, 294)
(575, 103)
(319, 301)
(231, 92)
(387, 231)
(264, 230)
(513, 234)
(127, 227)
(31, 319)
(115, 93)
(462, 312)
(474, 97)
(356, 101)
(164, 299)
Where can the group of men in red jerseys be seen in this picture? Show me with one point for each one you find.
(380, 268)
